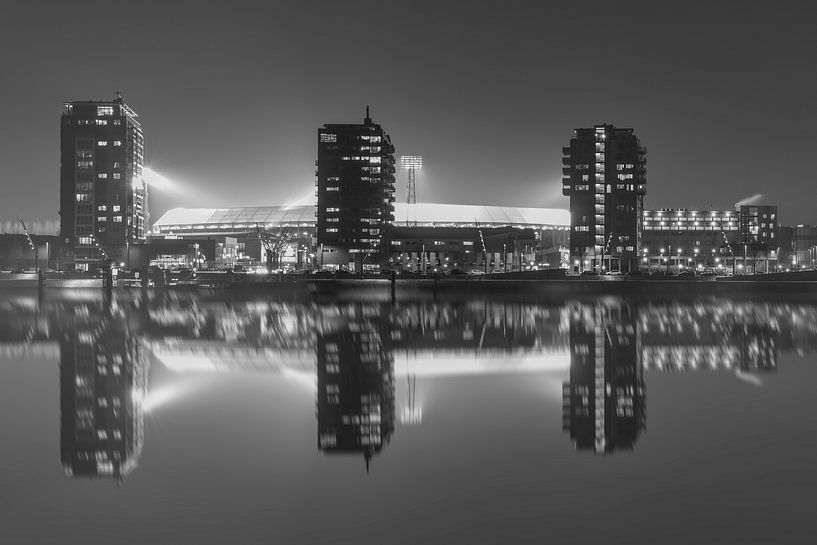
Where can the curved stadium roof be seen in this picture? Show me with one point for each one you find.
(213, 220)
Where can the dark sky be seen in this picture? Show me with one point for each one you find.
(230, 94)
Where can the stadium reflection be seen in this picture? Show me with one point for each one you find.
(350, 355)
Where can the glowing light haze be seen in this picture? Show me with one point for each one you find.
(487, 92)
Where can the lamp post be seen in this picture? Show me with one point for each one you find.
(678, 260)
(660, 258)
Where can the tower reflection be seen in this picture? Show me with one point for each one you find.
(355, 368)
(603, 404)
(103, 383)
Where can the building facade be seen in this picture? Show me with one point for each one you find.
(743, 240)
(355, 193)
(804, 246)
(680, 238)
(605, 178)
(103, 197)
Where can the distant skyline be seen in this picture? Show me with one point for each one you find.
(231, 95)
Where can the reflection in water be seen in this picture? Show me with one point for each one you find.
(103, 382)
(355, 383)
(352, 354)
(603, 403)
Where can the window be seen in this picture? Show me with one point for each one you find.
(101, 121)
(332, 220)
(467, 242)
(117, 121)
(117, 176)
(331, 229)
(102, 143)
(116, 207)
(104, 110)
(333, 209)
(396, 242)
(101, 219)
(439, 243)
(334, 188)
(102, 176)
(117, 219)
(329, 137)
(117, 142)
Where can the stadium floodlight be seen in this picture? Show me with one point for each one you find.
(411, 162)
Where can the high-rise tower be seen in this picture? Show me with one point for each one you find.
(605, 178)
(355, 190)
(103, 197)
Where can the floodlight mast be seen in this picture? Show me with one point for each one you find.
(411, 163)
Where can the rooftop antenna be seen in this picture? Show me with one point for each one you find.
(118, 96)
(368, 119)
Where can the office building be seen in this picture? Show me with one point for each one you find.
(605, 178)
(355, 193)
(804, 243)
(103, 197)
(681, 238)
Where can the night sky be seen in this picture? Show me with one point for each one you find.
(231, 94)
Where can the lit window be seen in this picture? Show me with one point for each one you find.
(102, 208)
(396, 242)
(329, 137)
(104, 110)
(117, 121)
(116, 207)
(332, 230)
(117, 142)
(101, 122)
(467, 242)
(101, 219)
(102, 175)
(117, 219)
(117, 176)
(333, 209)
(102, 143)
(334, 188)
(332, 220)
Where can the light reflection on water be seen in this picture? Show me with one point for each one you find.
(373, 369)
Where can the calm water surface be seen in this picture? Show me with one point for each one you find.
(174, 417)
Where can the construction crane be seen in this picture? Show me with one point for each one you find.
(274, 246)
(30, 243)
(482, 240)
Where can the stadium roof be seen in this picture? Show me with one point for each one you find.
(469, 214)
(420, 214)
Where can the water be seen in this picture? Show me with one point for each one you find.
(173, 417)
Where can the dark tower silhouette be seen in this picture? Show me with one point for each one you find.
(355, 181)
(603, 403)
(605, 178)
(103, 197)
(103, 382)
(356, 407)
